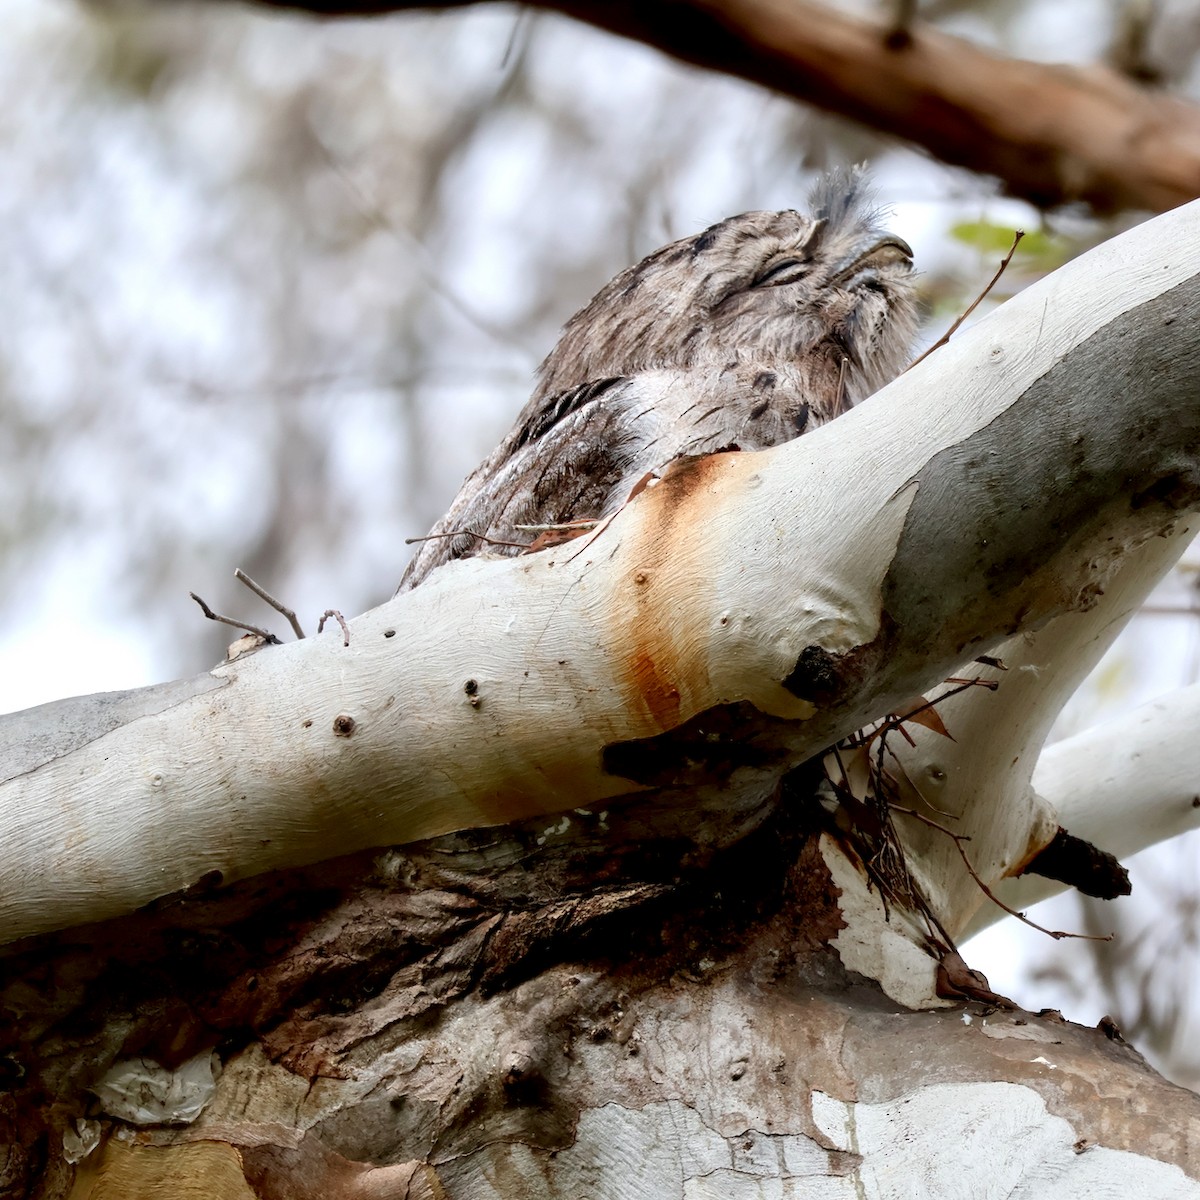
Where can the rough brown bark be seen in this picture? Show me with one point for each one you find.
(306, 969)
(432, 1022)
(1051, 134)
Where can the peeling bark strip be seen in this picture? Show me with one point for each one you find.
(1051, 133)
(924, 525)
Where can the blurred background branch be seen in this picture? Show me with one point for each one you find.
(1050, 133)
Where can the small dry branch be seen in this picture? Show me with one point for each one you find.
(262, 593)
(880, 788)
(1018, 234)
(958, 839)
(265, 634)
(337, 616)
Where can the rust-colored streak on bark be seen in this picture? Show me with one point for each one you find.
(658, 666)
(660, 694)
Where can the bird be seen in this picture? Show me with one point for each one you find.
(746, 335)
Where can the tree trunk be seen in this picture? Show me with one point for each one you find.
(637, 934)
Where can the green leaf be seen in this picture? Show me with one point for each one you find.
(1039, 249)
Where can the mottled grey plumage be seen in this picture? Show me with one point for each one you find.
(762, 327)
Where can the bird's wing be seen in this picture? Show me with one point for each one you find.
(578, 454)
(536, 421)
(558, 464)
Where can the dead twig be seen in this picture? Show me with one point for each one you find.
(895, 722)
(1018, 234)
(337, 616)
(265, 634)
(582, 526)
(887, 863)
(431, 537)
(899, 766)
(262, 593)
(958, 839)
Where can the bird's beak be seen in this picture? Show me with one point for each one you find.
(885, 252)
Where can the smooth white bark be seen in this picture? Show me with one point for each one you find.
(1131, 782)
(986, 491)
(1124, 785)
(978, 784)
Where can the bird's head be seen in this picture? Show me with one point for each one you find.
(772, 286)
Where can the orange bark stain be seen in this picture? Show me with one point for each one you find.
(659, 666)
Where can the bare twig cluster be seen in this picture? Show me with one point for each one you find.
(267, 638)
(868, 779)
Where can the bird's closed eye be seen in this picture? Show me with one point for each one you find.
(787, 270)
